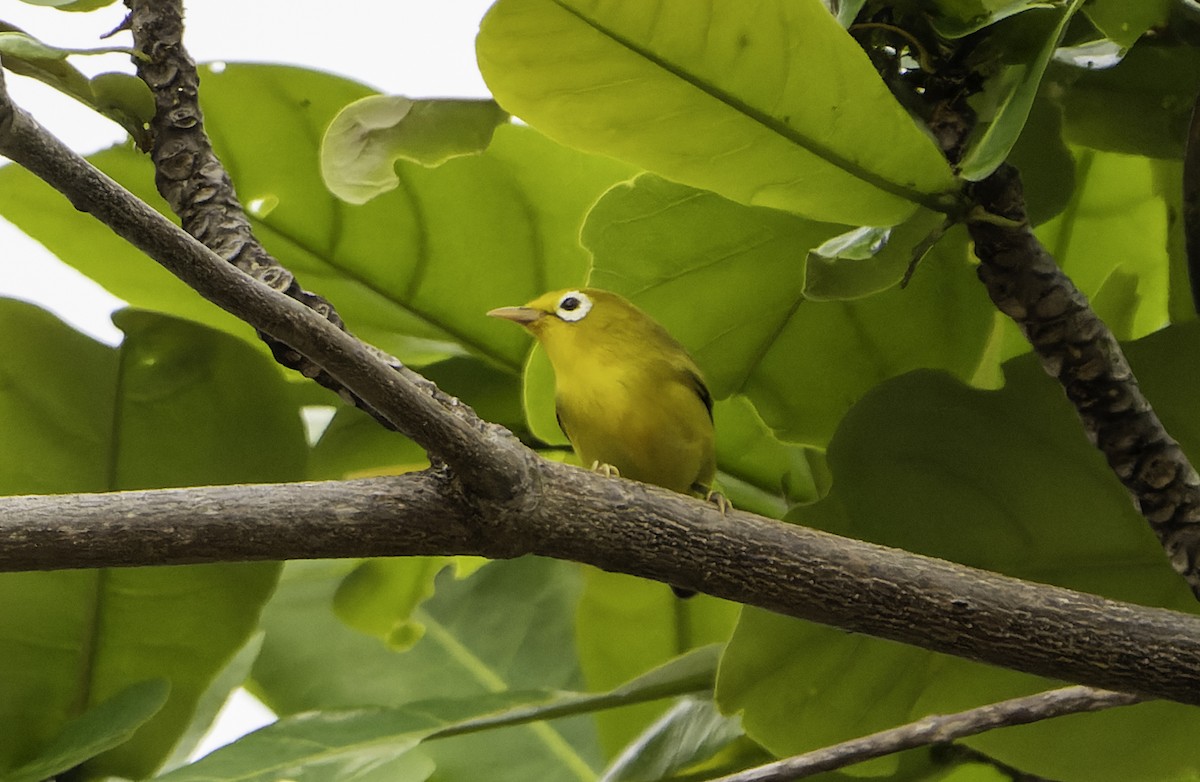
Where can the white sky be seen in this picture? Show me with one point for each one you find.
(418, 48)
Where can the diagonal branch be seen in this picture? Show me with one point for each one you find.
(937, 729)
(637, 529)
(1080, 351)
(483, 455)
(197, 187)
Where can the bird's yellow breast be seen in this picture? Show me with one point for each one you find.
(629, 404)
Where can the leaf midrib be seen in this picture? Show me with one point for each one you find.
(776, 126)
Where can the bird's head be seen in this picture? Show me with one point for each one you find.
(578, 310)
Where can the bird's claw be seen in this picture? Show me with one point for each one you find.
(720, 500)
(607, 470)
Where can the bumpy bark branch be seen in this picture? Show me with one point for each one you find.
(484, 456)
(641, 530)
(937, 729)
(195, 184)
(1079, 350)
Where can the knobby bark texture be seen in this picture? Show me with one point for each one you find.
(937, 729)
(641, 530)
(195, 184)
(1080, 351)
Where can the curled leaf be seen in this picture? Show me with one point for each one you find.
(364, 141)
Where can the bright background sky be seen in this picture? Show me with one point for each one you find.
(416, 48)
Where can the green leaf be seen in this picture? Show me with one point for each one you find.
(1117, 221)
(1018, 490)
(1124, 21)
(1132, 108)
(380, 595)
(412, 272)
(213, 700)
(321, 746)
(354, 445)
(329, 745)
(959, 18)
(691, 731)
(1046, 164)
(626, 626)
(708, 96)
(122, 98)
(757, 471)
(509, 627)
(1012, 59)
(98, 729)
(363, 142)
(727, 280)
(170, 407)
(25, 47)
(841, 270)
(73, 5)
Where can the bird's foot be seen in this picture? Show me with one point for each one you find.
(720, 500)
(607, 470)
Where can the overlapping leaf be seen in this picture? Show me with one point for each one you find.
(412, 272)
(727, 280)
(713, 96)
(1038, 503)
(176, 405)
(507, 628)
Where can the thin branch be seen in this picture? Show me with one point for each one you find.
(937, 729)
(483, 455)
(627, 527)
(1080, 351)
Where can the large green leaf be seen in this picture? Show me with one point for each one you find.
(626, 626)
(1124, 21)
(1117, 222)
(727, 280)
(768, 103)
(338, 744)
(508, 627)
(413, 271)
(175, 405)
(1002, 480)
(100, 728)
(428, 259)
(1140, 107)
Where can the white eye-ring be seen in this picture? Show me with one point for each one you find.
(573, 306)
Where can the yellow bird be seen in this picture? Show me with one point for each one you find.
(628, 396)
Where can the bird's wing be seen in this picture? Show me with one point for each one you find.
(701, 390)
(558, 416)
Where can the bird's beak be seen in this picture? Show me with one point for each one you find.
(522, 315)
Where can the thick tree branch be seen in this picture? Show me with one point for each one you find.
(483, 455)
(937, 729)
(631, 528)
(1080, 351)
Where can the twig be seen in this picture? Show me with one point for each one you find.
(937, 729)
(1080, 351)
(632, 528)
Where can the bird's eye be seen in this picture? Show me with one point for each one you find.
(573, 306)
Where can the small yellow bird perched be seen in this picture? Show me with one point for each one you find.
(629, 397)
